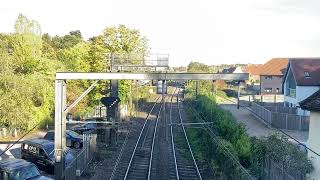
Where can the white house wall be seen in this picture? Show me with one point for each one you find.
(314, 144)
(238, 70)
(302, 92)
(305, 91)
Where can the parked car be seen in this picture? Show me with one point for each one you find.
(86, 127)
(19, 169)
(41, 152)
(73, 139)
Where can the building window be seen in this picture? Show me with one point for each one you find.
(268, 90)
(268, 77)
(277, 90)
(307, 74)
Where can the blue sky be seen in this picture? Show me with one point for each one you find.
(212, 32)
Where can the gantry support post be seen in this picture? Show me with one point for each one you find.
(60, 128)
(238, 97)
(130, 98)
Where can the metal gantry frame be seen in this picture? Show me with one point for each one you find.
(61, 108)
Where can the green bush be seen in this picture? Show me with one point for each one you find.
(233, 137)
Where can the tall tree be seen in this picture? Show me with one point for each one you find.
(26, 44)
(97, 55)
(25, 26)
(48, 50)
(122, 39)
(68, 40)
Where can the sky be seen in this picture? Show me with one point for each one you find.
(211, 32)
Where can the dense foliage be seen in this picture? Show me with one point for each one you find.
(232, 140)
(29, 61)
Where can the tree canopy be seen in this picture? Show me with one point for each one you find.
(29, 60)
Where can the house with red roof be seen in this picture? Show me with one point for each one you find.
(301, 80)
(254, 75)
(271, 76)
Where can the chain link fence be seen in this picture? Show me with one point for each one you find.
(83, 158)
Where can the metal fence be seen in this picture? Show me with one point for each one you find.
(281, 109)
(83, 158)
(139, 59)
(100, 111)
(275, 171)
(281, 120)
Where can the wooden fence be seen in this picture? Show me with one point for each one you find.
(279, 119)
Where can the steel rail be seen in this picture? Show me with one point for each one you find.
(186, 137)
(136, 145)
(172, 140)
(153, 140)
(122, 150)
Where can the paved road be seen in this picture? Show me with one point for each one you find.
(254, 126)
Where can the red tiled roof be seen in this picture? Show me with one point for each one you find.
(275, 66)
(253, 69)
(300, 66)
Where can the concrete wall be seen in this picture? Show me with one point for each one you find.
(274, 83)
(314, 144)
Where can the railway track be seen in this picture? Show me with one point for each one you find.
(139, 166)
(139, 158)
(181, 168)
(124, 157)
